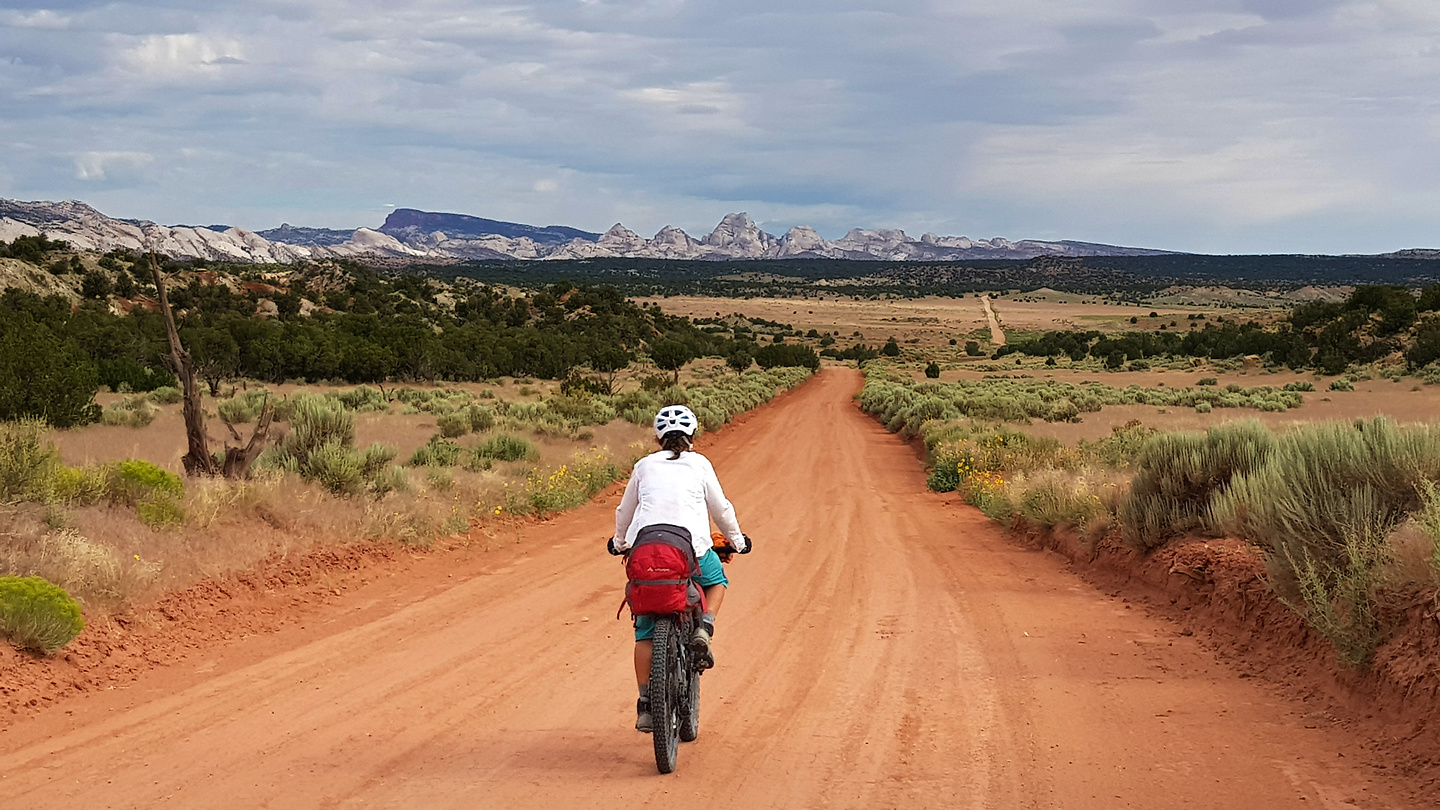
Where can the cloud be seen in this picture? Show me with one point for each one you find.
(112, 168)
(1255, 180)
(1279, 124)
(709, 106)
(180, 55)
(40, 18)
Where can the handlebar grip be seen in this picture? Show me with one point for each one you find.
(610, 547)
(749, 544)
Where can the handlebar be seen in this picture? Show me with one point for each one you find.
(726, 550)
(723, 550)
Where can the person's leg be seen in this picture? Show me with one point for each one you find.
(714, 597)
(644, 651)
(713, 580)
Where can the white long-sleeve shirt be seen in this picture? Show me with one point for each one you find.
(681, 492)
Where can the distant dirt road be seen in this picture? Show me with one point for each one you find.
(884, 647)
(997, 336)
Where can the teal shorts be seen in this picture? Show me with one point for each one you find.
(712, 572)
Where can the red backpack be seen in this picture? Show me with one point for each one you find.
(660, 567)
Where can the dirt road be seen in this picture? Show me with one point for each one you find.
(997, 335)
(883, 648)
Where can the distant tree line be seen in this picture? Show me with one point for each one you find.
(1126, 278)
(1373, 322)
(371, 329)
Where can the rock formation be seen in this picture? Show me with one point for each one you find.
(427, 236)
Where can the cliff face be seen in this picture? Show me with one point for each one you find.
(422, 235)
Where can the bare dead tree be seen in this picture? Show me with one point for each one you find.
(198, 460)
(238, 458)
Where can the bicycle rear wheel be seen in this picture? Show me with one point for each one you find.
(664, 693)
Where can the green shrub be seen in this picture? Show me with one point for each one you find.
(1208, 381)
(481, 418)
(506, 447)
(28, 461)
(321, 447)
(1341, 384)
(581, 408)
(1054, 499)
(315, 422)
(440, 478)
(390, 479)
(166, 395)
(1063, 410)
(944, 476)
(958, 454)
(1203, 407)
(1178, 474)
(453, 425)
(1324, 482)
(160, 512)
(375, 459)
(36, 615)
(135, 412)
(1120, 449)
(564, 488)
(83, 485)
(132, 481)
(1323, 506)
(1428, 519)
(334, 466)
(1336, 596)
(1300, 385)
(438, 452)
(363, 399)
(898, 404)
(242, 408)
(932, 370)
(995, 505)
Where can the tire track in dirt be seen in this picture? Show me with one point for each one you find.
(884, 647)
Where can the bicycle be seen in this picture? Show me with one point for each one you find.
(675, 679)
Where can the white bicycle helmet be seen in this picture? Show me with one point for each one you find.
(675, 417)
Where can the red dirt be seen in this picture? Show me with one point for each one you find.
(883, 647)
(1216, 589)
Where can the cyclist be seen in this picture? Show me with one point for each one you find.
(677, 486)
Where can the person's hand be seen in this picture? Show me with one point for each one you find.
(611, 547)
(724, 549)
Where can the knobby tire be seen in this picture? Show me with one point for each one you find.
(664, 693)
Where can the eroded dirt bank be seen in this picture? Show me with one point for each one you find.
(881, 648)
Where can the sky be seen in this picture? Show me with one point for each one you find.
(1217, 126)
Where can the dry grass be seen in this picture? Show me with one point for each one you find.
(107, 557)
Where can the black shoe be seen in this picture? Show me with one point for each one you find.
(700, 646)
(643, 721)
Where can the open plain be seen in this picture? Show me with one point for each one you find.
(932, 320)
